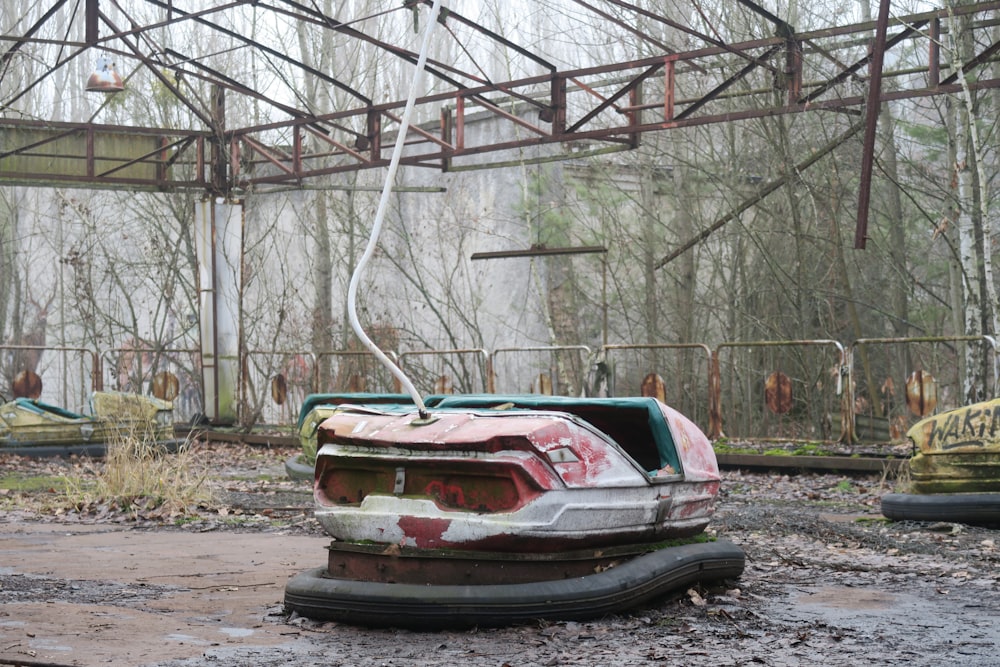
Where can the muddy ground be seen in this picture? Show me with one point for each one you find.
(827, 582)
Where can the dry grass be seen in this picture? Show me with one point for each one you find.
(137, 475)
(895, 480)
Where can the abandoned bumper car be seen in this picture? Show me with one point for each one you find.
(954, 469)
(492, 510)
(34, 428)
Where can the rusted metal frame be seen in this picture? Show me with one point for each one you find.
(434, 67)
(490, 106)
(555, 113)
(88, 131)
(539, 251)
(26, 37)
(89, 157)
(418, 130)
(924, 17)
(70, 127)
(318, 18)
(539, 348)
(265, 49)
(161, 161)
(45, 74)
(201, 161)
(781, 26)
(376, 364)
(447, 14)
(615, 147)
(837, 104)
(598, 134)
(446, 134)
(669, 89)
(151, 65)
(498, 87)
(758, 196)
(609, 101)
(815, 47)
(971, 64)
(264, 152)
(460, 123)
(88, 143)
(336, 144)
(934, 54)
(217, 77)
(245, 384)
(297, 149)
(593, 93)
(142, 158)
(625, 26)
(476, 351)
(27, 147)
(672, 346)
(140, 35)
(475, 93)
(606, 134)
(722, 87)
(853, 29)
(373, 123)
(184, 145)
(220, 181)
(733, 49)
(793, 69)
(843, 369)
(852, 70)
(95, 360)
(989, 340)
(144, 184)
(137, 30)
(872, 110)
(635, 115)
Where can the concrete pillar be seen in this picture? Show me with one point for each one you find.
(219, 245)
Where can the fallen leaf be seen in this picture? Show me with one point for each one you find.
(696, 598)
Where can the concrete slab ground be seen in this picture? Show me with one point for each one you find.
(105, 595)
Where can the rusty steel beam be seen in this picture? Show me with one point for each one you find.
(580, 105)
(873, 106)
(26, 37)
(539, 251)
(451, 131)
(273, 52)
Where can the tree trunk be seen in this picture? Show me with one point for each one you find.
(974, 239)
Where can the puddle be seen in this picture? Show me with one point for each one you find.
(236, 632)
(48, 645)
(870, 611)
(845, 597)
(188, 639)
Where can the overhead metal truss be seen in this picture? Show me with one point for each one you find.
(603, 107)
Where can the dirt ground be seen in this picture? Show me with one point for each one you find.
(827, 582)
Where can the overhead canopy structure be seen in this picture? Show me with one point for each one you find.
(580, 75)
